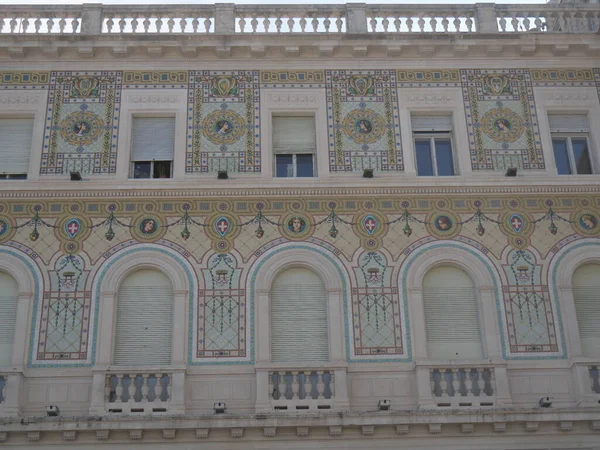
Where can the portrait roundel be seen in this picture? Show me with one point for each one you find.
(147, 228)
(363, 126)
(296, 226)
(502, 125)
(223, 127)
(443, 223)
(81, 128)
(6, 228)
(587, 222)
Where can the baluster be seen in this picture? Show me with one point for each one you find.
(170, 24)
(169, 387)
(502, 23)
(307, 385)
(13, 24)
(109, 25)
(332, 383)
(315, 24)
(242, 24)
(254, 24)
(278, 23)
(24, 24)
(159, 24)
(320, 384)
(469, 23)
(145, 387)
(339, 23)
(445, 23)
(122, 24)
(514, 22)
(37, 24)
(397, 24)
(107, 389)
(290, 24)
(444, 385)
(385, 23)
(526, 22)
(421, 22)
(490, 381)
(301, 385)
(266, 24)
(4, 389)
(455, 382)
(131, 389)
(303, 24)
(562, 21)
(326, 24)
(158, 388)
(327, 385)
(409, 24)
(469, 381)
(195, 24)
(456, 23)
(146, 24)
(538, 22)
(295, 384)
(281, 384)
(373, 23)
(2, 22)
(207, 24)
(119, 389)
(433, 23)
(182, 25)
(75, 25)
(49, 24)
(481, 382)
(134, 24)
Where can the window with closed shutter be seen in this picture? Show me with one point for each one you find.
(152, 146)
(451, 315)
(586, 293)
(15, 146)
(144, 330)
(8, 316)
(294, 146)
(299, 318)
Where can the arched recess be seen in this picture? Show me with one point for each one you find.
(29, 280)
(260, 280)
(561, 270)
(480, 270)
(117, 268)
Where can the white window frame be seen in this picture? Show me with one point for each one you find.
(294, 154)
(295, 166)
(569, 136)
(132, 162)
(432, 136)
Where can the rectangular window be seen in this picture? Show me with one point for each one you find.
(294, 146)
(571, 143)
(15, 148)
(152, 147)
(433, 145)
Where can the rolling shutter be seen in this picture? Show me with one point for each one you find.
(586, 293)
(8, 315)
(15, 145)
(153, 138)
(299, 318)
(294, 134)
(431, 123)
(451, 316)
(144, 320)
(568, 122)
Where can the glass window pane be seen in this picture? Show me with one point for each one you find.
(142, 169)
(581, 155)
(561, 156)
(424, 162)
(304, 165)
(284, 166)
(443, 156)
(162, 169)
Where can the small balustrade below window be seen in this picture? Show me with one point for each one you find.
(298, 390)
(144, 393)
(463, 387)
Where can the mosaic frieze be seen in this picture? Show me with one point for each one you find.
(363, 124)
(223, 122)
(82, 123)
(501, 120)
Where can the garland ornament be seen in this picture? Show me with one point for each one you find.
(407, 217)
(333, 218)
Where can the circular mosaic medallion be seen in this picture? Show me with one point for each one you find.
(586, 222)
(7, 228)
(363, 126)
(81, 128)
(519, 242)
(147, 228)
(444, 225)
(223, 127)
(296, 227)
(502, 125)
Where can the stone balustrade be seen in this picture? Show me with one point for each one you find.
(228, 18)
(134, 392)
(298, 390)
(461, 387)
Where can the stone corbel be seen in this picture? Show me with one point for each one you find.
(120, 52)
(16, 52)
(237, 433)
(202, 433)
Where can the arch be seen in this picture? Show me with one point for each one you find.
(115, 269)
(484, 276)
(337, 282)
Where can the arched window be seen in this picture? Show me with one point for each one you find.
(586, 292)
(144, 331)
(299, 317)
(8, 315)
(451, 316)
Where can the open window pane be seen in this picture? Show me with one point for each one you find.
(581, 155)
(443, 155)
(284, 166)
(424, 161)
(561, 156)
(304, 165)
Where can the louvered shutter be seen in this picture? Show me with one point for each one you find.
(451, 316)
(8, 315)
(431, 123)
(586, 293)
(299, 318)
(144, 331)
(15, 145)
(568, 122)
(294, 134)
(153, 138)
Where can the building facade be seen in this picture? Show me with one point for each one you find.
(344, 226)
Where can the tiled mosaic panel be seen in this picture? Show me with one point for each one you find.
(501, 120)
(82, 123)
(223, 122)
(362, 121)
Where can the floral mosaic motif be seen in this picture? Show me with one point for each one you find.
(81, 123)
(527, 307)
(64, 324)
(223, 122)
(363, 125)
(501, 120)
(221, 320)
(376, 308)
